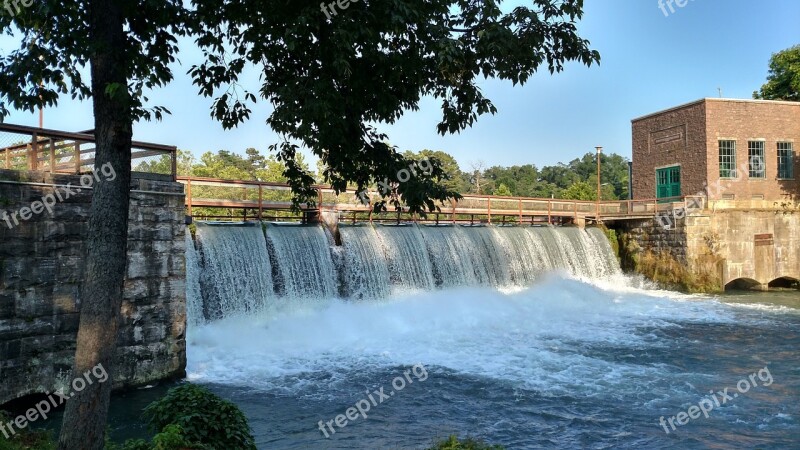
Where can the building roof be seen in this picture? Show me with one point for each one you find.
(714, 99)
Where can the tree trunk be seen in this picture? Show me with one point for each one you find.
(101, 292)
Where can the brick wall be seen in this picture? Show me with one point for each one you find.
(744, 121)
(688, 136)
(676, 137)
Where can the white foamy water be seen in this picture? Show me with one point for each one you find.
(534, 338)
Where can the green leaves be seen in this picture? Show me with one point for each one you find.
(333, 82)
(783, 82)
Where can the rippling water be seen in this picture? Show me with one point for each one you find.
(565, 363)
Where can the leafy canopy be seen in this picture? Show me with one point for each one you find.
(783, 81)
(333, 81)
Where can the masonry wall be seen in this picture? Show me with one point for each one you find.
(707, 251)
(41, 267)
(675, 137)
(744, 121)
(757, 247)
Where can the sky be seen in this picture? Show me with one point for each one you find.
(650, 61)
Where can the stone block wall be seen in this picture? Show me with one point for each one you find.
(41, 268)
(708, 250)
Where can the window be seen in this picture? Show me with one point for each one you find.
(727, 159)
(785, 160)
(755, 153)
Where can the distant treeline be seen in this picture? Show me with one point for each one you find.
(574, 180)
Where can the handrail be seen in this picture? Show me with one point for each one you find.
(490, 205)
(59, 151)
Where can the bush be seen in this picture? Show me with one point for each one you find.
(202, 418)
(453, 443)
(26, 438)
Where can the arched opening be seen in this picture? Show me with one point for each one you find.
(743, 284)
(785, 283)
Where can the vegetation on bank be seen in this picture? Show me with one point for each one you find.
(190, 417)
(453, 443)
(700, 275)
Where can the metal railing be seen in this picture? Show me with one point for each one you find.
(29, 148)
(211, 198)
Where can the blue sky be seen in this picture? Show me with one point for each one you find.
(649, 62)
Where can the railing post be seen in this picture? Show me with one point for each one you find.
(549, 212)
(189, 195)
(520, 211)
(77, 156)
(453, 214)
(489, 206)
(8, 158)
(319, 202)
(575, 205)
(260, 201)
(174, 167)
(33, 153)
(52, 155)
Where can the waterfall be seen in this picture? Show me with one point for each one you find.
(303, 262)
(194, 299)
(407, 259)
(250, 269)
(236, 276)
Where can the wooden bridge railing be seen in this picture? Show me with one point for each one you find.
(29, 148)
(263, 199)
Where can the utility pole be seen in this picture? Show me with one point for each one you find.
(597, 213)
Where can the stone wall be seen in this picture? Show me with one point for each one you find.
(708, 250)
(41, 267)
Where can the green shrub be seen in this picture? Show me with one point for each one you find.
(25, 438)
(452, 443)
(202, 418)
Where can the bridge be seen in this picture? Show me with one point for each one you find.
(25, 148)
(218, 199)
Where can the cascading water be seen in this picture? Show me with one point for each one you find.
(194, 298)
(406, 257)
(365, 270)
(302, 258)
(235, 276)
(241, 272)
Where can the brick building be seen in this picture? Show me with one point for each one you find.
(723, 148)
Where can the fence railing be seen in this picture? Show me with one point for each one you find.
(29, 148)
(211, 198)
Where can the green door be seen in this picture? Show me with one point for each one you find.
(668, 182)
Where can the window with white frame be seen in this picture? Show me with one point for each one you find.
(785, 160)
(756, 164)
(727, 159)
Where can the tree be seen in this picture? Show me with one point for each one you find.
(503, 191)
(783, 81)
(333, 77)
(580, 190)
(331, 82)
(128, 46)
